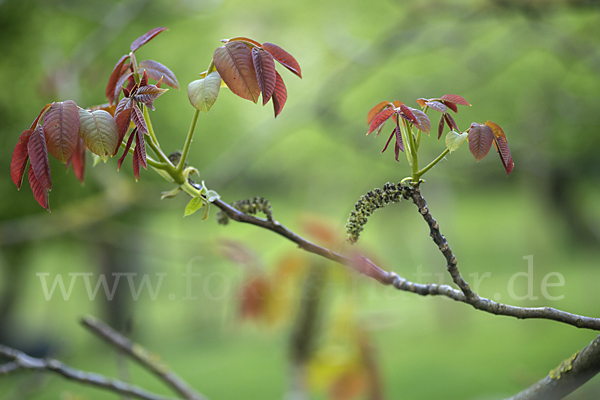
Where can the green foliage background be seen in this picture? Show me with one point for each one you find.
(533, 67)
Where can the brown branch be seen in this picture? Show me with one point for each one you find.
(21, 361)
(568, 376)
(367, 267)
(146, 359)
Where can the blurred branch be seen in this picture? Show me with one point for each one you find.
(568, 376)
(145, 358)
(367, 267)
(23, 361)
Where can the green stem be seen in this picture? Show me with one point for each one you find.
(188, 142)
(431, 164)
(153, 141)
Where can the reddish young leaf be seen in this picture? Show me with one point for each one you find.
(423, 124)
(127, 147)
(399, 144)
(138, 119)
(40, 193)
(244, 40)
(19, 159)
(140, 149)
(441, 127)
(376, 110)
(38, 156)
(264, 66)
(422, 102)
(145, 38)
(407, 114)
(114, 78)
(454, 98)
(451, 105)
(136, 163)
(388, 141)
(123, 117)
(284, 58)
(143, 79)
(78, 160)
(380, 118)
(450, 121)
(279, 94)
(234, 63)
(147, 94)
(480, 140)
(436, 105)
(501, 145)
(35, 122)
(504, 152)
(156, 71)
(61, 128)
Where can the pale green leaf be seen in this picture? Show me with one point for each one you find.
(203, 93)
(455, 139)
(99, 131)
(194, 205)
(170, 194)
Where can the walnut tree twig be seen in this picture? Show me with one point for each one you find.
(568, 376)
(367, 267)
(143, 357)
(21, 361)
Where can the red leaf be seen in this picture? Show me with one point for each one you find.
(422, 102)
(480, 140)
(389, 140)
(61, 128)
(380, 118)
(454, 98)
(114, 77)
(78, 160)
(123, 117)
(119, 86)
(140, 149)
(38, 155)
(35, 122)
(144, 79)
(451, 105)
(243, 40)
(284, 58)
(40, 193)
(399, 144)
(451, 122)
(145, 38)
(136, 164)
(147, 94)
(127, 147)
(156, 71)
(264, 66)
(501, 145)
(441, 127)
(407, 114)
(234, 63)
(138, 119)
(424, 124)
(279, 94)
(20, 158)
(376, 110)
(436, 105)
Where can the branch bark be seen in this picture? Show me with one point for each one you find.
(568, 376)
(21, 361)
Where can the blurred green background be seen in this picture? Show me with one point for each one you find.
(531, 66)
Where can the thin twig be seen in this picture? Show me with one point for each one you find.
(368, 268)
(145, 358)
(21, 360)
(568, 376)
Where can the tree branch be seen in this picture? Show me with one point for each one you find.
(23, 361)
(146, 359)
(568, 376)
(367, 267)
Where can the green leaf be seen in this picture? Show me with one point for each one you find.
(455, 139)
(194, 205)
(170, 194)
(99, 132)
(203, 93)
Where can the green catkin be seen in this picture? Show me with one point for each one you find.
(369, 203)
(248, 206)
